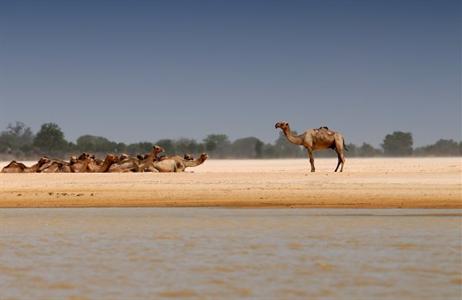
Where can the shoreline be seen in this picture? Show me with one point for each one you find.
(365, 183)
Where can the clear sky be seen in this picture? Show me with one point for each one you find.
(144, 70)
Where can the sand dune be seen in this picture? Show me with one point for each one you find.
(367, 183)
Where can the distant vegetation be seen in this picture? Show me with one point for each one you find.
(18, 141)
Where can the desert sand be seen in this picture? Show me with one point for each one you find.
(365, 183)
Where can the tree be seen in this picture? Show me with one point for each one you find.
(17, 139)
(168, 145)
(217, 144)
(184, 145)
(50, 139)
(398, 144)
(269, 151)
(91, 143)
(259, 145)
(367, 150)
(139, 148)
(441, 148)
(120, 148)
(250, 147)
(352, 150)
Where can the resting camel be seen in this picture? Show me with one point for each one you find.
(94, 160)
(129, 164)
(88, 163)
(317, 139)
(174, 163)
(95, 167)
(80, 165)
(145, 164)
(178, 163)
(14, 167)
(56, 166)
(75, 165)
(17, 167)
(134, 164)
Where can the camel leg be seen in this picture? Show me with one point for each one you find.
(339, 143)
(310, 156)
(342, 157)
(341, 160)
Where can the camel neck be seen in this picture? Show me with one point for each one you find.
(294, 139)
(152, 156)
(106, 164)
(193, 163)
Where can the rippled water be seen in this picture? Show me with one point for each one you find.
(152, 253)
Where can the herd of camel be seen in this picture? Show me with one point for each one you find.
(312, 140)
(87, 163)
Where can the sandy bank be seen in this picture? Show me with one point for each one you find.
(366, 183)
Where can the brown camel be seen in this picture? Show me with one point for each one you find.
(123, 156)
(94, 160)
(14, 167)
(17, 167)
(95, 167)
(36, 167)
(178, 163)
(146, 163)
(317, 139)
(56, 166)
(77, 165)
(129, 164)
(126, 163)
(80, 165)
(84, 163)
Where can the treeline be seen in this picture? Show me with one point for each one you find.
(19, 141)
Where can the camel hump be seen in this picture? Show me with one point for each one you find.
(13, 162)
(325, 130)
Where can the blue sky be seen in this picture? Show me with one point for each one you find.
(145, 70)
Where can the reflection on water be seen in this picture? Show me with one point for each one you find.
(152, 253)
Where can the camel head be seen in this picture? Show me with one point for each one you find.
(123, 156)
(112, 158)
(73, 160)
(158, 149)
(283, 125)
(83, 156)
(43, 160)
(203, 156)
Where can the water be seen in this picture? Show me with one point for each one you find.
(200, 253)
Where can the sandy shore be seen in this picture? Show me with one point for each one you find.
(366, 183)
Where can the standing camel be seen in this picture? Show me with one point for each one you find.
(317, 139)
